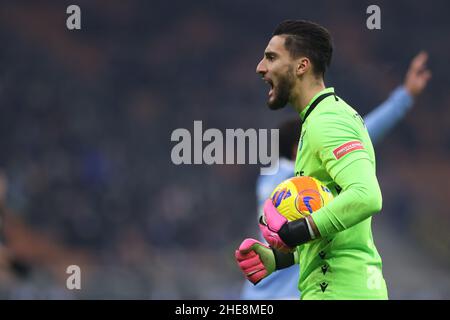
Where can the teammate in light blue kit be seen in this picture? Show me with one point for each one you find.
(283, 284)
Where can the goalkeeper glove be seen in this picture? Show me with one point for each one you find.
(281, 234)
(258, 261)
(255, 259)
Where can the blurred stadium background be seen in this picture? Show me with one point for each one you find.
(86, 118)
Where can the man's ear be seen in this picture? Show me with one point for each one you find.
(303, 65)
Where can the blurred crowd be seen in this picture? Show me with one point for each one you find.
(86, 119)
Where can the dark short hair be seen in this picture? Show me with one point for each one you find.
(309, 39)
(289, 136)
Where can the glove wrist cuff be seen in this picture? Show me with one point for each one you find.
(283, 260)
(295, 233)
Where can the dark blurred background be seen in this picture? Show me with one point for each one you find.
(86, 176)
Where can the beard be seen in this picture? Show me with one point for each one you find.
(282, 93)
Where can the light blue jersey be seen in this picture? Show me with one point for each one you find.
(381, 120)
(283, 284)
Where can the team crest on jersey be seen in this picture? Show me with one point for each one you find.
(348, 147)
(300, 143)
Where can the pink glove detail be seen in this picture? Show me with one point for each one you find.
(250, 262)
(274, 221)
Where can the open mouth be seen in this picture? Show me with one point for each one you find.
(270, 83)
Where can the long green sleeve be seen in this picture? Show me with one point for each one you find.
(359, 199)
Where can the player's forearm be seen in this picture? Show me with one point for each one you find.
(388, 114)
(359, 199)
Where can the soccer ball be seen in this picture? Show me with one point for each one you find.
(298, 197)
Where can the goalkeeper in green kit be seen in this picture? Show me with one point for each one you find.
(334, 245)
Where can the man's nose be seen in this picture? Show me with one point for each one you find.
(260, 68)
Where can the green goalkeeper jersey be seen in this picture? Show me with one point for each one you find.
(335, 148)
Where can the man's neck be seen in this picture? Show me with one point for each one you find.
(305, 93)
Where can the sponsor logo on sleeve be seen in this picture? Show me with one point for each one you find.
(348, 147)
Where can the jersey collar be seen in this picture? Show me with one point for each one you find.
(326, 90)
